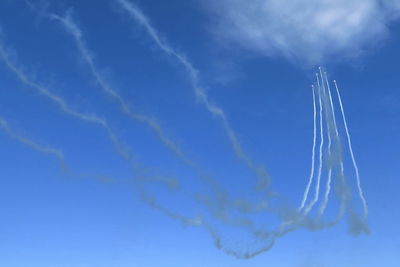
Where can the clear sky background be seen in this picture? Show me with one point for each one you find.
(94, 216)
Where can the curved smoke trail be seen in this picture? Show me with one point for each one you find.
(360, 190)
(138, 16)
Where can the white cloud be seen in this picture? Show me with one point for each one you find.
(309, 31)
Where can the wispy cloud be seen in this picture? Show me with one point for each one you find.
(306, 31)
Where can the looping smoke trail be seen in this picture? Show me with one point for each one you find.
(360, 190)
(310, 179)
(138, 16)
(4, 125)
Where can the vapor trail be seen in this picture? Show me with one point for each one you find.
(360, 190)
(317, 185)
(4, 125)
(138, 16)
(310, 179)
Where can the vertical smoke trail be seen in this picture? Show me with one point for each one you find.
(342, 181)
(41, 148)
(200, 93)
(335, 125)
(328, 125)
(317, 186)
(310, 179)
(360, 190)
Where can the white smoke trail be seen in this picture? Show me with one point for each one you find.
(310, 179)
(4, 125)
(73, 29)
(120, 149)
(360, 190)
(317, 185)
(343, 195)
(140, 172)
(328, 125)
(138, 16)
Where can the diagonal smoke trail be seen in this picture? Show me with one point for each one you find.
(140, 172)
(4, 125)
(360, 190)
(310, 179)
(317, 185)
(120, 149)
(138, 16)
(72, 28)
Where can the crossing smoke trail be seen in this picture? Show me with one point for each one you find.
(360, 190)
(138, 16)
(4, 125)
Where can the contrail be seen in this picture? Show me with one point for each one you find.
(200, 93)
(4, 125)
(310, 179)
(317, 186)
(360, 190)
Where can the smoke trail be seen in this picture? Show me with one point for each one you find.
(360, 190)
(122, 151)
(310, 206)
(343, 192)
(4, 125)
(328, 125)
(310, 179)
(137, 15)
(72, 28)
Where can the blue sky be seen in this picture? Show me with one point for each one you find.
(93, 214)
